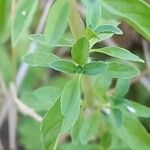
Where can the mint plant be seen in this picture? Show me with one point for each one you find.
(91, 112)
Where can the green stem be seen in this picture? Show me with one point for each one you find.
(13, 49)
(77, 28)
(89, 95)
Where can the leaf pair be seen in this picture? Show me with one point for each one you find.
(46, 59)
(92, 68)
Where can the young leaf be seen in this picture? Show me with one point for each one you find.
(24, 14)
(137, 19)
(42, 98)
(122, 87)
(94, 68)
(57, 21)
(70, 96)
(93, 12)
(108, 29)
(118, 52)
(122, 70)
(51, 126)
(63, 66)
(136, 136)
(40, 59)
(140, 110)
(80, 51)
(89, 128)
(89, 33)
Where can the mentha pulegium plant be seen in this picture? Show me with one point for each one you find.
(84, 109)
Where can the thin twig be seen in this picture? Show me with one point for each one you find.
(1, 146)
(24, 108)
(12, 121)
(146, 49)
(2, 85)
(23, 69)
(146, 83)
(3, 113)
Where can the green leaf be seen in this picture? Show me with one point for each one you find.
(118, 52)
(80, 51)
(42, 98)
(122, 70)
(122, 87)
(140, 110)
(75, 131)
(71, 118)
(24, 15)
(70, 146)
(70, 96)
(38, 38)
(117, 117)
(134, 134)
(51, 126)
(40, 59)
(89, 33)
(89, 128)
(57, 21)
(93, 12)
(106, 140)
(108, 29)
(41, 39)
(102, 84)
(134, 12)
(30, 135)
(94, 68)
(63, 66)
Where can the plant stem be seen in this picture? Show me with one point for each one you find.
(77, 27)
(13, 49)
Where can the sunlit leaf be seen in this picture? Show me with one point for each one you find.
(80, 51)
(118, 52)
